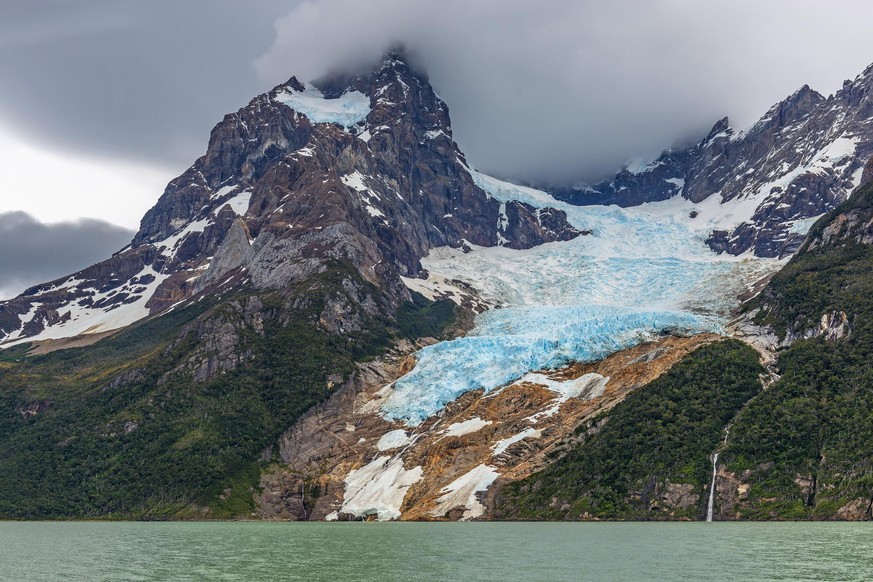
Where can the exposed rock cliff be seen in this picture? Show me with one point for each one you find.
(343, 460)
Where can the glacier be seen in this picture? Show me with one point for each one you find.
(347, 110)
(642, 272)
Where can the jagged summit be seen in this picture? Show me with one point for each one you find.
(360, 169)
(721, 126)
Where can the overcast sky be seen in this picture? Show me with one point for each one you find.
(104, 101)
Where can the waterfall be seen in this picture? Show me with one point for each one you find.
(712, 488)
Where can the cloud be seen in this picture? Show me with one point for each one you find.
(33, 252)
(144, 81)
(55, 186)
(570, 89)
(548, 91)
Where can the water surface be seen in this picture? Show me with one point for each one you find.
(436, 551)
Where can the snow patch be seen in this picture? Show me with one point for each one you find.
(462, 492)
(169, 245)
(222, 191)
(678, 182)
(587, 386)
(501, 446)
(240, 203)
(591, 385)
(507, 191)
(355, 180)
(393, 440)
(379, 488)
(466, 427)
(24, 319)
(641, 165)
(84, 318)
(436, 287)
(803, 225)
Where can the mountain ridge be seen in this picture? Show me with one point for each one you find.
(799, 160)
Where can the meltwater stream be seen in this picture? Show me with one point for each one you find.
(711, 501)
(640, 272)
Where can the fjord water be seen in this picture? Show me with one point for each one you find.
(435, 551)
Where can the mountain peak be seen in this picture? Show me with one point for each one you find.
(721, 126)
(359, 168)
(295, 84)
(865, 78)
(395, 53)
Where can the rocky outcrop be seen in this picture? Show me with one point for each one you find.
(800, 160)
(848, 226)
(852, 227)
(859, 509)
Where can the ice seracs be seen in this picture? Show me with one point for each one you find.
(346, 110)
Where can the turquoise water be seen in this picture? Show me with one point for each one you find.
(446, 551)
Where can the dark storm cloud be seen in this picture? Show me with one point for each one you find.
(570, 89)
(143, 80)
(32, 252)
(558, 90)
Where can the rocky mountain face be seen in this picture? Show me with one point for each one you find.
(817, 461)
(260, 280)
(354, 168)
(800, 160)
(284, 271)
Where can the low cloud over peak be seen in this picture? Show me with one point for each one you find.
(554, 91)
(570, 90)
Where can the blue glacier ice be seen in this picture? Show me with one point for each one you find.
(346, 110)
(508, 343)
(641, 272)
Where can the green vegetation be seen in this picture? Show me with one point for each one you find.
(816, 422)
(424, 318)
(663, 432)
(123, 429)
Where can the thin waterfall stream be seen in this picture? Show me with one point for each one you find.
(711, 503)
(712, 488)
